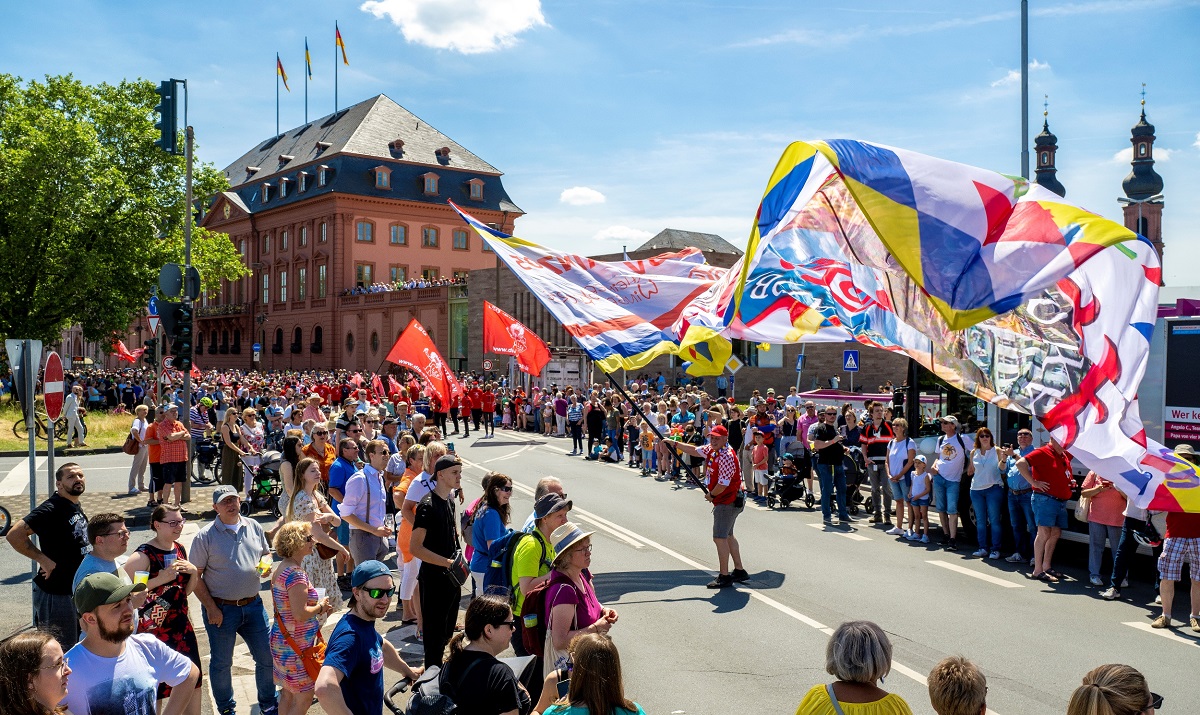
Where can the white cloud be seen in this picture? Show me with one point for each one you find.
(622, 233)
(466, 26)
(1014, 76)
(581, 196)
(1126, 155)
(1197, 142)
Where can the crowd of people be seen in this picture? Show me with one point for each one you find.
(410, 284)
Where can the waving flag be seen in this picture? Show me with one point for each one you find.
(307, 59)
(414, 349)
(1000, 287)
(123, 352)
(505, 335)
(623, 314)
(281, 72)
(341, 45)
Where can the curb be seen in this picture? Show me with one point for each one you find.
(62, 452)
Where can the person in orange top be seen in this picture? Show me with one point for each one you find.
(321, 450)
(153, 451)
(414, 464)
(173, 440)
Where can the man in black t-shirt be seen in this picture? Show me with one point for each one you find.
(61, 528)
(435, 541)
(828, 443)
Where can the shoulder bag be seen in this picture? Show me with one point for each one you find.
(1083, 508)
(131, 445)
(312, 657)
(324, 551)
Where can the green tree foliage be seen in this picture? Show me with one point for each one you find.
(91, 208)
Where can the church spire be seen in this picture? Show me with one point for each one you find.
(1046, 145)
(1143, 186)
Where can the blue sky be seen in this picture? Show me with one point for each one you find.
(613, 119)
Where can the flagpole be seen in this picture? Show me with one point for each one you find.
(306, 80)
(276, 94)
(335, 68)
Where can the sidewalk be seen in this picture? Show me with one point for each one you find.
(132, 506)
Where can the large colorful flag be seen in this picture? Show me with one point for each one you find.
(281, 72)
(307, 59)
(623, 314)
(505, 335)
(341, 45)
(1000, 287)
(415, 350)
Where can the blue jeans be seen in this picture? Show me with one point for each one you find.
(832, 476)
(251, 623)
(988, 504)
(945, 494)
(1020, 513)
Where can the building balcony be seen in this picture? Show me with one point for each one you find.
(402, 297)
(212, 311)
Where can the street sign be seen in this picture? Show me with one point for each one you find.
(850, 360)
(152, 306)
(16, 360)
(799, 362)
(734, 364)
(168, 362)
(52, 386)
(153, 320)
(487, 364)
(257, 347)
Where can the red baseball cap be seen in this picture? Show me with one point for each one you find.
(719, 431)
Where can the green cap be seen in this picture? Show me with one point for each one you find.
(103, 589)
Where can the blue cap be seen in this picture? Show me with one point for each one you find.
(368, 570)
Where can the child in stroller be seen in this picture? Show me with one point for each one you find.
(854, 464)
(265, 485)
(787, 486)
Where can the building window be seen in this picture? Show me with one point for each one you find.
(487, 248)
(349, 342)
(374, 342)
(303, 236)
(297, 340)
(283, 188)
(398, 274)
(302, 178)
(460, 240)
(365, 232)
(322, 176)
(318, 339)
(381, 179)
(266, 247)
(266, 287)
(399, 235)
(430, 272)
(242, 247)
(460, 274)
(266, 193)
(431, 184)
(278, 346)
(1141, 150)
(283, 286)
(321, 281)
(301, 279)
(429, 237)
(362, 273)
(283, 240)
(1045, 158)
(476, 190)
(321, 235)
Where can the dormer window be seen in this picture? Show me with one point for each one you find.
(251, 171)
(283, 187)
(322, 146)
(396, 146)
(475, 188)
(285, 158)
(266, 192)
(429, 183)
(302, 180)
(383, 177)
(322, 175)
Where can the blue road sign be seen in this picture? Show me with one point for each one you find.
(850, 360)
(799, 362)
(153, 305)
(256, 348)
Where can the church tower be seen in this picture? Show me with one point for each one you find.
(1143, 187)
(1045, 145)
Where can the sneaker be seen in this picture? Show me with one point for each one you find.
(1163, 621)
(1096, 581)
(912, 536)
(894, 531)
(740, 576)
(1110, 594)
(1015, 559)
(982, 553)
(1125, 583)
(270, 710)
(925, 539)
(1194, 622)
(1158, 600)
(721, 581)
(135, 491)
(876, 519)
(952, 545)
(993, 555)
(944, 540)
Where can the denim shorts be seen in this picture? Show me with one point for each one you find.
(921, 501)
(945, 493)
(1048, 511)
(901, 488)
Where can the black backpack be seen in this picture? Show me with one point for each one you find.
(428, 697)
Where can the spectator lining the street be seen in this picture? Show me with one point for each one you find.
(481, 684)
(296, 628)
(33, 675)
(858, 656)
(1114, 689)
(596, 687)
(957, 687)
(572, 608)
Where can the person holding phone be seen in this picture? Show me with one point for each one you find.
(829, 445)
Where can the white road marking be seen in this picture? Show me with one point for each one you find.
(853, 536)
(976, 574)
(508, 456)
(1167, 633)
(17, 481)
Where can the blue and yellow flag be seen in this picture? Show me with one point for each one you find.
(307, 58)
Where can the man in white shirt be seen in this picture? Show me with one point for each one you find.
(947, 471)
(74, 436)
(113, 671)
(365, 506)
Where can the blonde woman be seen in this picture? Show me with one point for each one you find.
(233, 447)
(1114, 689)
(309, 505)
(299, 608)
(255, 438)
(137, 471)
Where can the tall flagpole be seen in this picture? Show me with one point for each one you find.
(307, 78)
(276, 94)
(335, 67)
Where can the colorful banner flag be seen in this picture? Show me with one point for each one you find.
(341, 44)
(415, 350)
(307, 59)
(281, 72)
(623, 314)
(1000, 287)
(504, 335)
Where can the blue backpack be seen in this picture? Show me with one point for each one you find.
(498, 577)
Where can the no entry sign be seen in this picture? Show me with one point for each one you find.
(52, 381)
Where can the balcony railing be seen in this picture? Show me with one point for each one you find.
(209, 311)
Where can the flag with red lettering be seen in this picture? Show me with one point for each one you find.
(414, 349)
(504, 335)
(393, 386)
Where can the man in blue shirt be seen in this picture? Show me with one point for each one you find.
(351, 678)
(340, 472)
(1020, 506)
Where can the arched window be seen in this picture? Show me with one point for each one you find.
(374, 342)
(349, 342)
(224, 342)
(318, 338)
(199, 343)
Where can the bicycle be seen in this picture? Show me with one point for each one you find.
(40, 426)
(5, 521)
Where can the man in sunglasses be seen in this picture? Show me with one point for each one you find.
(351, 678)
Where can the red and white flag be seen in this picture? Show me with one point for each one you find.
(505, 335)
(123, 352)
(414, 349)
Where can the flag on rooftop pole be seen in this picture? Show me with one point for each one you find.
(308, 69)
(338, 44)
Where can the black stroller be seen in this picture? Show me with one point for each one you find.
(265, 485)
(208, 461)
(855, 466)
(787, 486)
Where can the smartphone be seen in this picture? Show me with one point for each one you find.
(450, 447)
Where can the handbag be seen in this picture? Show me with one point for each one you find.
(1083, 508)
(458, 571)
(324, 551)
(312, 657)
(131, 445)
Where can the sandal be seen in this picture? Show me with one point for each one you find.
(1048, 577)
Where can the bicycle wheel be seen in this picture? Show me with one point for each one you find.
(19, 430)
(5, 521)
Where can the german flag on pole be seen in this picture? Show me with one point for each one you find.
(340, 44)
(281, 72)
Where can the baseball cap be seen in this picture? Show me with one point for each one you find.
(550, 503)
(922, 459)
(368, 570)
(951, 419)
(223, 492)
(719, 431)
(102, 589)
(445, 461)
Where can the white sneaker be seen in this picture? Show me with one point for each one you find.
(1158, 600)
(1096, 581)
(994, 555)
(1015, 559)
(894, 531)
(981, 553)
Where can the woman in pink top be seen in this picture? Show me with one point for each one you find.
(1105, 518)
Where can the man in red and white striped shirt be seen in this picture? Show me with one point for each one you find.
(726, 492)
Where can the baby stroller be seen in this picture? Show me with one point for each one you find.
(265, 485)
(208, 461)
(787, 486)
(855, 466)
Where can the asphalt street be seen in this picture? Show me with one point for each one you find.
(686, 649)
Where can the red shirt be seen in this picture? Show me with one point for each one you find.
(1183, 526)
(722, 468)
(489, 401)
(762, 421)
(475, 398)
(1054, 468)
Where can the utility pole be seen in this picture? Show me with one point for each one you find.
(1025, 88)
(186, 494)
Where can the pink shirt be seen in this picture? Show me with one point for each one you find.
(1108, 506)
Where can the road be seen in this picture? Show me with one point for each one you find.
(686, 649)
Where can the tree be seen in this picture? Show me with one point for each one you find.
(91, 208)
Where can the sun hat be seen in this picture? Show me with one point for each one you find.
(550, 503)
(566, 536)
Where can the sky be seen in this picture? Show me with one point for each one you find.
(614, 119)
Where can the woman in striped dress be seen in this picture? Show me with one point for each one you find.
(298, 615)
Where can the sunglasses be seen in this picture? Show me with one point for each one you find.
(1156, 701)
(320, 434)
(508, 489)
(350, 431)
(379, 592)
(510, 624)
(308, 539)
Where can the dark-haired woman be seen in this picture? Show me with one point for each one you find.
(33, 675)
(596, 686)
(491, 522)
(478, 681)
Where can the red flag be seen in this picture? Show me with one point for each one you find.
(415, 350)
(124, 354)
(393, 386)
(377, 386)
(504, 335)
(356, 380)
(196, 374)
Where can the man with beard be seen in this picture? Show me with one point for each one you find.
(61, 527)
(351, 678)
(113, 671)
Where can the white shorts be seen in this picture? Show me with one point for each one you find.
(760, 477)
(408, 580)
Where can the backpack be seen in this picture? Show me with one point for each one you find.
(467, 520)
(534, 617)
(427, 696)
(498, 577)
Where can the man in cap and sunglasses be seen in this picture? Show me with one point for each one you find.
(726, 492)
(351, 678)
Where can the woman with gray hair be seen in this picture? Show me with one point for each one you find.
(859, 655)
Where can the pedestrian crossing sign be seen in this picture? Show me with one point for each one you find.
(850, 360)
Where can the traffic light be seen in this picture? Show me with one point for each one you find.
(150, 352)
(178, 322)
(166, 124)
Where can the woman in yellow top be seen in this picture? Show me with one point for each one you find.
(859, 655)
